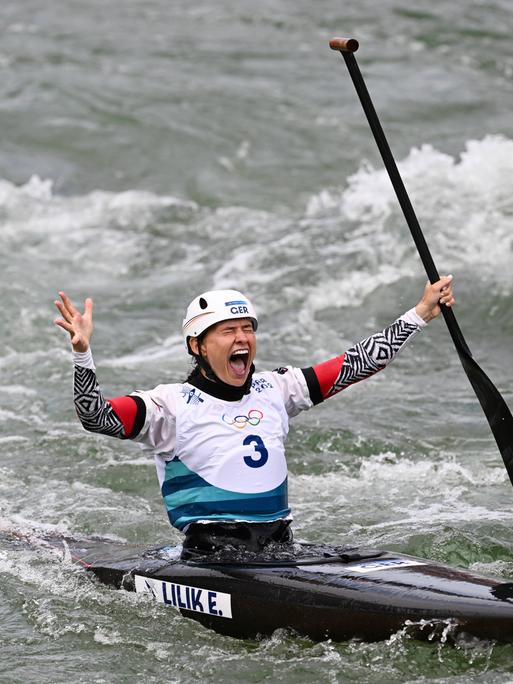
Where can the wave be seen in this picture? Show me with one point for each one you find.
(464, 204)
(347, 246)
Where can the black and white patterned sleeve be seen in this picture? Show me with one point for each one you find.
(362, 360)
(95, 414)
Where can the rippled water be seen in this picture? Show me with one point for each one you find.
(152, 150)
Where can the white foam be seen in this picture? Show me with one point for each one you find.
(127, 205)
(464, 205)
(13, 439)
(351, 290)
(100, 228)
(18, 390)
(171, 349)
(408, 495)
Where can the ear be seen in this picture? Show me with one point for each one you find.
(193, 344)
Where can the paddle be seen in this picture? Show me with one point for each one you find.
(495, 408)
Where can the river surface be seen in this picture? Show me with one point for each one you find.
(153, 149)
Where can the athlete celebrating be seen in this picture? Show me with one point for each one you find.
(219, 437)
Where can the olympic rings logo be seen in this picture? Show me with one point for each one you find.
(253, 418)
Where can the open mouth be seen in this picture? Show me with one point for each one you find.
(239, 362)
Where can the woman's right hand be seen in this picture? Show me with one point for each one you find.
(79, 326)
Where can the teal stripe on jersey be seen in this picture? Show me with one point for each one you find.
(189, 498)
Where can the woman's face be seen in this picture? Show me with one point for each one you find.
(230, 349)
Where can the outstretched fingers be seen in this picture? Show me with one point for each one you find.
(88, 308)
(69, 311)
(64, 324)
(78, 325)
(66, 306)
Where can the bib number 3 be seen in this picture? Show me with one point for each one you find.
(259, 447)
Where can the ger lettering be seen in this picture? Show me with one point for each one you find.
(239, 309)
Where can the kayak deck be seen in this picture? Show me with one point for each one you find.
(319, 592)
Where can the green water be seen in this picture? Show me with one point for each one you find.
(153, 150)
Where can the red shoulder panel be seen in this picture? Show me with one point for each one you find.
(327, 372)
(126, 410)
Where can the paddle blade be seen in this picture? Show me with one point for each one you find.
(495, 409)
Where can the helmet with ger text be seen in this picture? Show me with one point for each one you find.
(215, 306)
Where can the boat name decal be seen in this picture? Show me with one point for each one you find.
(383, 564)
(185, 597)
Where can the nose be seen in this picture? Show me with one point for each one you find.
(241, 335)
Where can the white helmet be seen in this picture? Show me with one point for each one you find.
(215, 306)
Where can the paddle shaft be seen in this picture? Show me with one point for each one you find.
(495, 408)
(402, 195)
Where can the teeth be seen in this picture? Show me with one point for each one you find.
(240, 351)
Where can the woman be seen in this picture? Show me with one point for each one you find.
(218, 438)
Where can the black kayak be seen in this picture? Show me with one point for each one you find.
(321, 592)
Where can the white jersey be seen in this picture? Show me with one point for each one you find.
(223, 460)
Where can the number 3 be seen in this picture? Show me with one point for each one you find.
(256, 462)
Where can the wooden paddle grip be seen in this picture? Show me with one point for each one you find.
(344, 44)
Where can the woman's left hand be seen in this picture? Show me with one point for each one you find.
(436, 294)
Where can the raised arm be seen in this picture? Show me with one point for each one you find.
(375, 352)
(122, 417)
